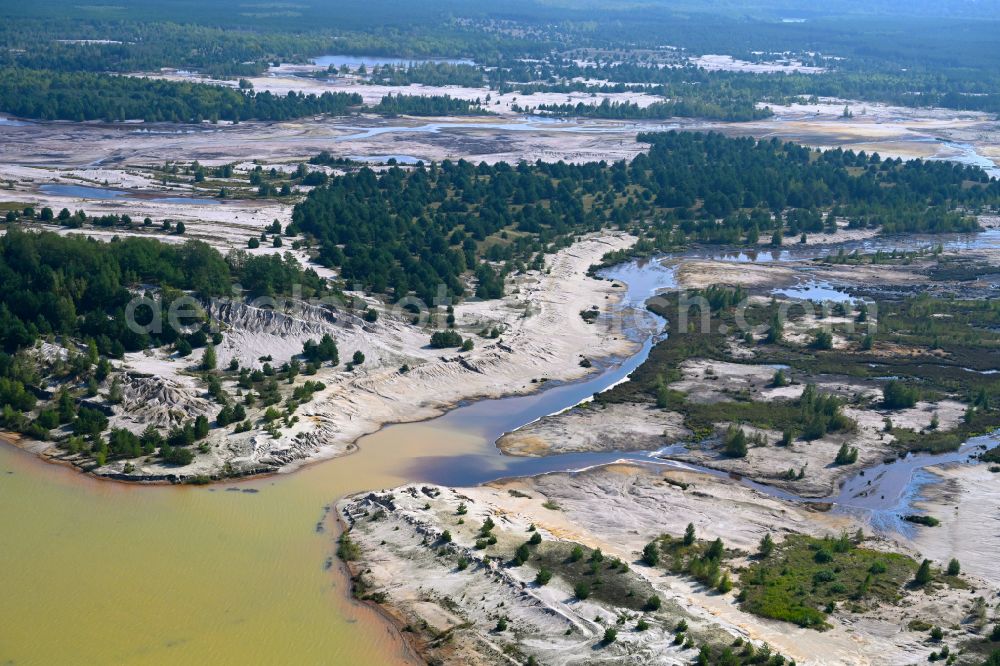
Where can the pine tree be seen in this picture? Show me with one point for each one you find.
(766, 545)
(651, 554)
(924, 574)
(689, 534)
(846, 455)
(735, 443)
(200, 427)
(115, 392)
(328, 350)
(208, 359)
(775, 331)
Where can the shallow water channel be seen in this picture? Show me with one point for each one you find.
(106, 194)
(101, 572)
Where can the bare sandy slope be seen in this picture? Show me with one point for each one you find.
(592, 427)
(543, 303)
(967, 502)
(713, 62)
(479, 138)
(415, 576)
(617, 508)
(702, 274)
(160, 389)
(890, 130)
(225, 227)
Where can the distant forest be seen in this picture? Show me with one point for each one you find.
(81, 96)
(940, 54)
(693, 108)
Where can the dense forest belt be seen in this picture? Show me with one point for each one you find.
(730, 110)
(913, 89)
(412, 230)
(953, 42)
(129, 47)
(926, 62)
(50, 95)
(224, 49)
(423, 105)
(71, 285)
(917, 67)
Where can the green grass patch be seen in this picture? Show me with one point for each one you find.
(805, 577)
(606, 579)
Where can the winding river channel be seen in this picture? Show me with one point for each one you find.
(101, 572)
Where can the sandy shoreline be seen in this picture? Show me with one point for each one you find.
(404, 566)
(526, 351)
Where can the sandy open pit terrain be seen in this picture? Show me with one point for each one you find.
(807, 468)
(439, 588)
(279, 82)
(966, 499)
(225, 227)
(160, 389)
(37, 152)
(641, 427)
(121, 155)
(714, 62)
(592, 427)
(357, 403)
(452, 611)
